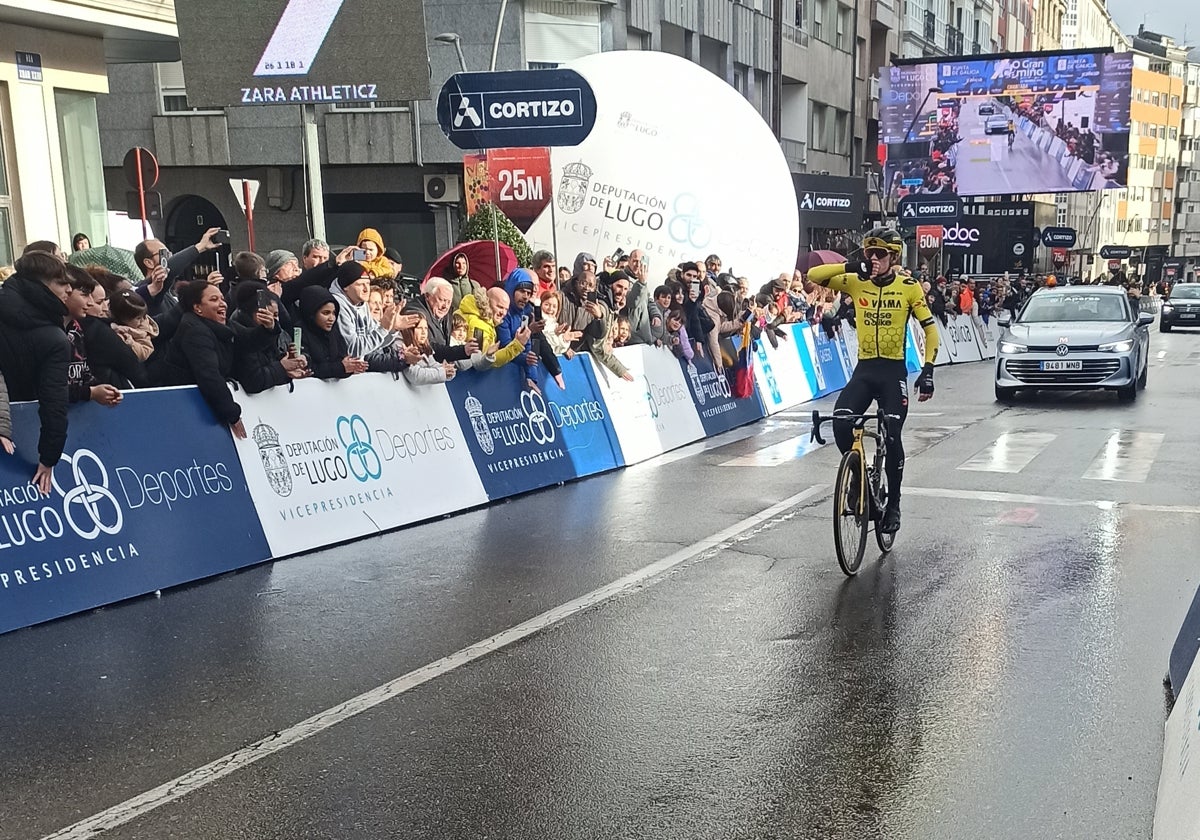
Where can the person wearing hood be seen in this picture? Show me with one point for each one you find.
(484, 312)
(322, 343)
(521, 285)
(458, 273)
(381, 349)
(201, 352)
(260, 355)
(583, 311)
(35, 352)
(374, 262)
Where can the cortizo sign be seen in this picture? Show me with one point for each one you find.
(837, 202)
(960, 237)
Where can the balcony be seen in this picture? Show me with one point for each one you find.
(795, 35)
(1187, 222)
(1188, 191)
(930, 28)
(1187, 159)
(795, 152)
(883, 13)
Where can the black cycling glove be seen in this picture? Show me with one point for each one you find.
(857, 263)
(925, 381)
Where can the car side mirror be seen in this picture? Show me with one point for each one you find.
(1004, 320)
(1145, 319)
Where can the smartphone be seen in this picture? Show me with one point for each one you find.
(593, 297)
(479, 336)
(163, 256)
(525, 320)
(221, 237)
(262, 299)
(297, 334)
(358, 254)
(537, 313)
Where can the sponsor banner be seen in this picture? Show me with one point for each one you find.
(957, 337)
(1177, 809)
(133, 508)
(332, 461)
(914, 351)
(778, 373)
(985, 337)
(521, 440)
(718, 409)
(643, 179)
(827, 363)
(654, 413)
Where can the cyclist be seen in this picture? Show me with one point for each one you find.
(884, 298)
(1012, 134)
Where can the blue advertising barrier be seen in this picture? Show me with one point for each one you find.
(135, 507)
(521, 440)
(719, 411)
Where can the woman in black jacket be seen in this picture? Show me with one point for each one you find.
(201, 353)
(322, 342)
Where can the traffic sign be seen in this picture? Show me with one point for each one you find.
(517, 108)
(917, 210)
(1058, 237)
(1116, 252)
(143, 159)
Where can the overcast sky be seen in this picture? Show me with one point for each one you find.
(1164, 16)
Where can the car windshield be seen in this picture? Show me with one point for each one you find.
(1044, 309)
(1189, 292)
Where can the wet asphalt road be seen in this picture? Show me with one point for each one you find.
(998, 676)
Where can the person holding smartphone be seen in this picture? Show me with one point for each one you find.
(583, 311)
(162, 269)
(261, 359)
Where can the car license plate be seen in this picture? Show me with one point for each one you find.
(1188, 316)
(1065, 364)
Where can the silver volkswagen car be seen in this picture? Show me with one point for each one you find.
(1074, 338)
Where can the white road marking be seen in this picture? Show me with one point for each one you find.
(1044, 501)
(1127, 456)
(702, 446)
(649, 575)
(1162, 354)
(1009, 453)
(772, 456)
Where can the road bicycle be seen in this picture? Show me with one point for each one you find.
(860, 492)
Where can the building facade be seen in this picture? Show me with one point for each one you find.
(54, 57)
(1186, 234)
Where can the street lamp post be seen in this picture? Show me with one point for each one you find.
(920, 109)
(453, 38)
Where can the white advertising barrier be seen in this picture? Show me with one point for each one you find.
(654, 413)
(957, 340)
(985, 337)
(332, 461)
(1177, 812)
(779, 373)
(649, 177)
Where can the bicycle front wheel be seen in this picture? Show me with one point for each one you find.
(850, 514)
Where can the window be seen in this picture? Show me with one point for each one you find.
(1154, 131)
(844, 24)
(816, 127)
(1174, 133)
(1121, 225)
(558, 32)
(83, 171)
(1168, 195)
(1154, 98)
(800, 14)
(1175, 102)
(818, 24)
(841, 137)
(6, 240)
(1156, 195)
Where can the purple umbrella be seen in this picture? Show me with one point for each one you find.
(806, 262)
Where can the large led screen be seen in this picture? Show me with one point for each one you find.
(302, 52)
(1034, 123)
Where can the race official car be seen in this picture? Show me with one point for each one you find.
(997, 124)
(1074, 338)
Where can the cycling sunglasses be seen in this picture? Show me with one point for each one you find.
(877, 253)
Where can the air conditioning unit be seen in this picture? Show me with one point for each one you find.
(443, 189)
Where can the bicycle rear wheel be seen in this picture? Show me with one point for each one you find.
(884, 541)
(850, 514)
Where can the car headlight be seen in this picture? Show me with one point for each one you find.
(1116, 346)
(1009, 347)
(1166, 307)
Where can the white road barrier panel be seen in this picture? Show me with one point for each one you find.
(654, 413)
(985, 337)
(957, 339)
(332, 461)
(779, 373)
(1177, 812)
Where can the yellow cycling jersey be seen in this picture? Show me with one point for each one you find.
(882, 312)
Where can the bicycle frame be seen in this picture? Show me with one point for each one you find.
(879, 436)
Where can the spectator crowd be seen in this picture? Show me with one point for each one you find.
(75, 333)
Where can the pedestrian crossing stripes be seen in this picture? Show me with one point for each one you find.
(1126, 455)
(1010, 453)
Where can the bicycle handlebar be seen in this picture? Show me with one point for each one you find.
(818, 421)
